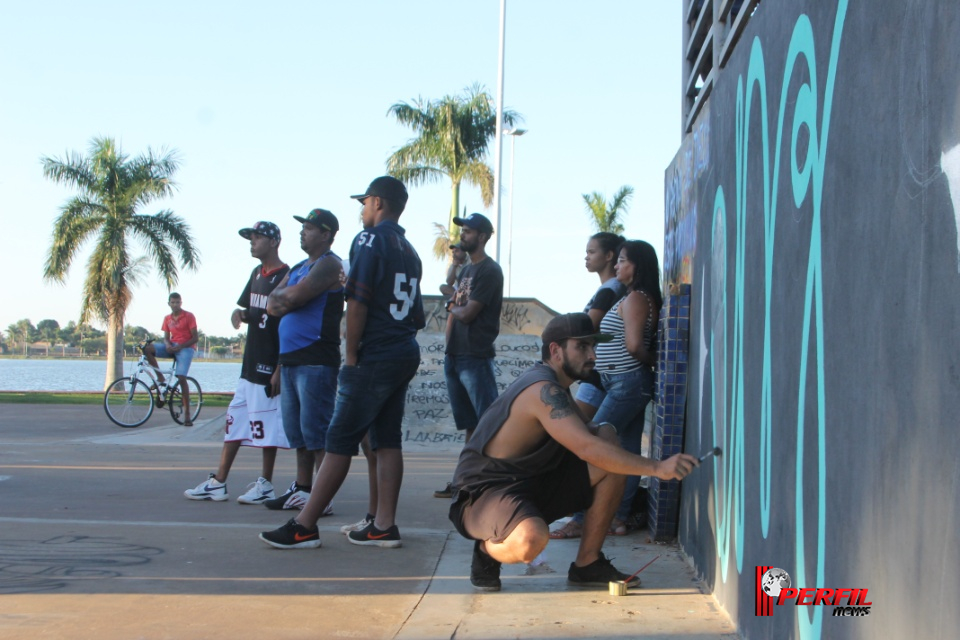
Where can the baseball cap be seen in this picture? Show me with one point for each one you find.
(322, 219)
(476, 221)
(578, 326)
(388, 188)
(456, 246)
(264, 228)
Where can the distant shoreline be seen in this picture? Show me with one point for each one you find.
(11, 356)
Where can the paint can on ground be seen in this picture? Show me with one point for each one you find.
(618, 588)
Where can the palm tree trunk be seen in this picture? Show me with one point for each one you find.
(454, 210)
(114, 355)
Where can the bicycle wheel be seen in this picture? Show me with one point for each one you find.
(128, 402)
(175, 400)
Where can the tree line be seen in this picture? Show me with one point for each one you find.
(80, 339)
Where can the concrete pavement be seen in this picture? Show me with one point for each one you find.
(97, 540)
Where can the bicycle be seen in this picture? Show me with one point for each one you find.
(129, 401)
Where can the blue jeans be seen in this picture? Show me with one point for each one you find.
(307, 393)
(181, 359)
(625, 407)
(370, 398)
(472, 387)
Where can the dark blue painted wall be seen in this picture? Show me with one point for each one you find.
(822, 239)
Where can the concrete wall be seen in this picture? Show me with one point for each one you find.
(428, 421)
(815, 214)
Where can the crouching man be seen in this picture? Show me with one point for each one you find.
(534, 459)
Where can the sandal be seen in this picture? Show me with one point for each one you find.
(572, 529)
(617, 528)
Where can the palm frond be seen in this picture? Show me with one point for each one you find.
(78, 220)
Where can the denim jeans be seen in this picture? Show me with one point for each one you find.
(370, 398)
(625, 408)
(472, 387)
(181, 359)
(307, 393)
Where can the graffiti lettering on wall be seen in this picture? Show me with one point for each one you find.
(806, 173)
(515, 315)
(428, 417)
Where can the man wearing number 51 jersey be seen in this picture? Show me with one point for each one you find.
(384, 313)
(253, 417)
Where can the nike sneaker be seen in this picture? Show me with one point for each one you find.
(292, 535)
(210, 489)
(370, 536)
(257, 492)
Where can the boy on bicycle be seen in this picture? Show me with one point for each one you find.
(179, 336)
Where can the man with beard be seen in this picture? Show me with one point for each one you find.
(534, 458)
(472, 327)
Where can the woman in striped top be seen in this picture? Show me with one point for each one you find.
(626, 364)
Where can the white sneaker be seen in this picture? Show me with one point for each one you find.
(257, 492)
(328, 511)
(296, 500)
(210, 489)
(357, 526)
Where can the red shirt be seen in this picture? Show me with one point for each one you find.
(180, 328)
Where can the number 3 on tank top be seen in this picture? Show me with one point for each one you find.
(404, 298)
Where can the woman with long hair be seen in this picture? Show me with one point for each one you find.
(626, 364)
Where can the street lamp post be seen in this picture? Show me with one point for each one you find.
(513, 133)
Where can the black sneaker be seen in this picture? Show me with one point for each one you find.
(484, 570)
(294, 498)
(370, 536)
(598, 573)
(446, 492)
(292, 535)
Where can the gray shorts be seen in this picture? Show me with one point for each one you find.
(493, 511)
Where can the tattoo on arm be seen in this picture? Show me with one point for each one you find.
(557, 399)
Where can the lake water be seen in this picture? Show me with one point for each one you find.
(87, 375)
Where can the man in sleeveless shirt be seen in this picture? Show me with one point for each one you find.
(254, 416)
(309, 303)
(533, 459)
(384, 313)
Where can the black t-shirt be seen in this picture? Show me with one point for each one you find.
(482, 282)
(263, 340)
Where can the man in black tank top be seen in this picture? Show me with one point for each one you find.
(533, 458)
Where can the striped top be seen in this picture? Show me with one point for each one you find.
(613, 357)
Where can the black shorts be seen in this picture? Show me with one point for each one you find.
(493, 511)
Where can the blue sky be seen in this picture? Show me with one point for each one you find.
(277, 109)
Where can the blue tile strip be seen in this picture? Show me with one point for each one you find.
(671, 385)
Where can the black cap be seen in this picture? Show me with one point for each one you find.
(476, 221)
(321, 219)
(263, 228)
(388, 188)
(578, 326)
(456, 246)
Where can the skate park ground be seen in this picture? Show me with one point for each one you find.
(97, 541)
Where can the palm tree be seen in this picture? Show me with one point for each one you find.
(608, 217)
(114, 187)
(453, 136)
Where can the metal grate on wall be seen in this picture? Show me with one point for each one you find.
(711, 29)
